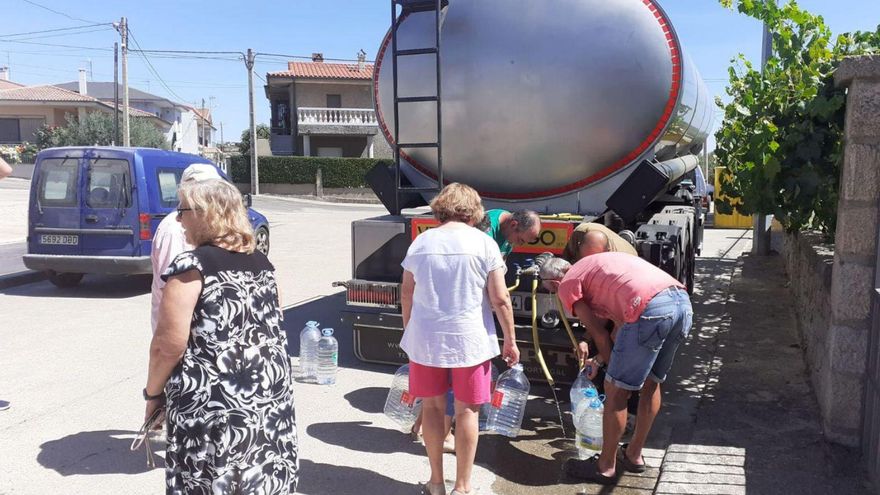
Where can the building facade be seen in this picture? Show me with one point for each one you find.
(324, 109)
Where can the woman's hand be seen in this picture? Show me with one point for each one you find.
(583, 350)
(510, 352)
(152, 405)
(592, 366)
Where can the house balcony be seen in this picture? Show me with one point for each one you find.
(336, 116)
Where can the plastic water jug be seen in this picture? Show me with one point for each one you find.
(400, 406)
(328, 358)
(581, 383)
(588, 422)
(308, 350)
(483, 418)
(509, 402)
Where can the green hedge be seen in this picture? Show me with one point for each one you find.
(336, 172)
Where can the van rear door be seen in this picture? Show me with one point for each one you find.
(109, 221)
(54, 213)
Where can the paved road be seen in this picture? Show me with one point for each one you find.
(73, 362)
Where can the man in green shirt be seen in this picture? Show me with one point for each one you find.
(511, 229)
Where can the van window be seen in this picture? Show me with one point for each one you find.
(168, 182)
(57, 182)
(109, 183)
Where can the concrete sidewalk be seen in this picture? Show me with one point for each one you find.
(756, 427)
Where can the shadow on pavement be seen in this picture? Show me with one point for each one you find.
(321, 479)
(92, 286)
(360, 436)
(97, 452)
(368, 399)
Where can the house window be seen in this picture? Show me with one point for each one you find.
(334, 101)
(330, 152)
(19, 130)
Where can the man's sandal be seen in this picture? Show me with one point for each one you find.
(627, 464)
(588, 469)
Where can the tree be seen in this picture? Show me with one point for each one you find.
(782, 130)
(96, 129)
(244, 146)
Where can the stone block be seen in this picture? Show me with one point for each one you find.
(706, 449)
(862, 66)
(848, 348)
(856, 230)
(862, 109)
(686, 488)
(722, 460)
(703, 478)
(845, 398)
(851, 286)
(860, 177)
(702, 468)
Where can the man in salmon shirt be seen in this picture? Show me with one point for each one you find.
(652, 315)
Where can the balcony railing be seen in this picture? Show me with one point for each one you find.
(336, 116)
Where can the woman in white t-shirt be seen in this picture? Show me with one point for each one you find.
(453, 277)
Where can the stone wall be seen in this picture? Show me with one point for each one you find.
(854, 281)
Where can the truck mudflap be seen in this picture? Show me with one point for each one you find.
(376, 339)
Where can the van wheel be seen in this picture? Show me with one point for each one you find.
(262, 239)
(64, 280)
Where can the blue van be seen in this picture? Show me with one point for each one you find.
(95, 209)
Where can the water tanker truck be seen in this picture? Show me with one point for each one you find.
(581, 110)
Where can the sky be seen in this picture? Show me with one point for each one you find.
(337, 28)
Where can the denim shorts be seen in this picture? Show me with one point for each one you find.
(646, 347)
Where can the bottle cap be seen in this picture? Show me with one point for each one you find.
(517, 366)
(311, 323)
(591, 393)
(327, 332)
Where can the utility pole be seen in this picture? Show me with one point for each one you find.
(126, 131)
(255, 171)
(116, 94)
(761, 234)
(221, 134)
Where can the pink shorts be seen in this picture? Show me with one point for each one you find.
(469, 385)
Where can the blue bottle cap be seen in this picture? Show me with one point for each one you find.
(591, 393)
(327, 332)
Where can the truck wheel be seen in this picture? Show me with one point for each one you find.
(689, 281)
(261, 236)
(64, 280)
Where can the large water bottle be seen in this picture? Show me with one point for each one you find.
(308, 350)
(400, 405)
(581, 383)
(588, 423)
(483, 417)
(509, 402)
(328, 357)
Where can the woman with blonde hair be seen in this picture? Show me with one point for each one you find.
(218, 359)
(453, 277)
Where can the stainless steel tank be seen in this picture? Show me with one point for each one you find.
(547, 104)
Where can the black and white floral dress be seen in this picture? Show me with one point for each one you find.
(231, 423)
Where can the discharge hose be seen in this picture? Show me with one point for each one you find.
(535, 339)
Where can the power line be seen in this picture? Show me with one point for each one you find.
(58, 45)
(196, 52)
(153, 69)
(35, 4)
(282, 55)
(75, 28)
(55, 35)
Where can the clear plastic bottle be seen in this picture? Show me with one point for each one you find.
(308, 350)
(509, 402)
(581, 383)
(400, 406)
(483, 418)
(588, 423)
(328, 358)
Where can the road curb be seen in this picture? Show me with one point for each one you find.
(21, 278)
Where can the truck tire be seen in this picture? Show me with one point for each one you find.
(261, 237)
(64, 280)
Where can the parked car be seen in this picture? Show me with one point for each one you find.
(95, 209)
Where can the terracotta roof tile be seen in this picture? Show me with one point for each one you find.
(322, 70)
(43, 93)
(4, 84)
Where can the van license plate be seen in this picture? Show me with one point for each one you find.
(66, 240)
